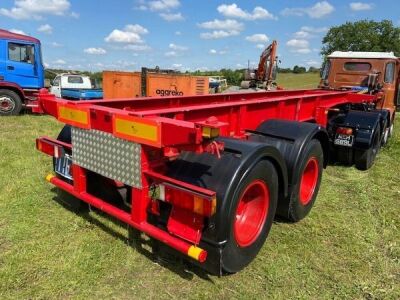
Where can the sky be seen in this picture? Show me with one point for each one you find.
(184, 35)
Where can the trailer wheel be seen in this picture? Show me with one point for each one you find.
(309, 176)
(251, 214)
(364, 159)
(10, 103)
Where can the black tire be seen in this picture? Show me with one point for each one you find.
(385, 136)
(385, 133)
(391, 129)
(301, 202)
(364, 159)
(10, 103)
(235, 257)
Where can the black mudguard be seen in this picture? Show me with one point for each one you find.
(290, 138)
(364, 123)
(223, 176)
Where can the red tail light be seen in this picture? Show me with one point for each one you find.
(344, 130)
(199, 204)
(49, 148)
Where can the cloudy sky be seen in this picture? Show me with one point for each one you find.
(182, 34)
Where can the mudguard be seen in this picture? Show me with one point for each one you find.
(223, 175)
(291, 138)
(14, 87)
(364, 123)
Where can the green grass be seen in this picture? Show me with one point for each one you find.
(298, 81)
(348, 247)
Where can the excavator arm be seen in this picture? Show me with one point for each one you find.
(263, 75)
(267, 61)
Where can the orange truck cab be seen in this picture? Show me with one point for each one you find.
(367, 72)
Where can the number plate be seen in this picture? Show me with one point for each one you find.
(63, 166)
(344, 140)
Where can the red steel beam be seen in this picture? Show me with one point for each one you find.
(152, 231)
(162, 122)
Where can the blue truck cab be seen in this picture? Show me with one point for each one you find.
(21, 72)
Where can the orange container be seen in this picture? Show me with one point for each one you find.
(121, 84)
(129, 84)
(175, 85)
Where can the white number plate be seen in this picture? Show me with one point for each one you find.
(344, 140)
(63, 166)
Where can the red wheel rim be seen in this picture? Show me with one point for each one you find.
(6, 104)
(251, 213)
(309, 180)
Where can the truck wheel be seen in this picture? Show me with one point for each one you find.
(364, 159)
(309, 174)
(250, 216)
(385, 133)
(385, 137)
(391, 130)
(10, 103)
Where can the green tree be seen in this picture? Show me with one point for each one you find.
(284, 70)
(313, 70)
(299, 70)
(364, 35)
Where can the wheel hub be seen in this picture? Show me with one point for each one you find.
(309, 181)
(251, 213)
(6, 104)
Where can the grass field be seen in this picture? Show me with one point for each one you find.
(298, 81)
(348, 247)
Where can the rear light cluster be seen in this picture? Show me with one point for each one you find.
(344, 130)
(185, 199)
(49, 148)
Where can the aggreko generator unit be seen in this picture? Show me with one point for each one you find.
(152, 83)
(206, 175)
